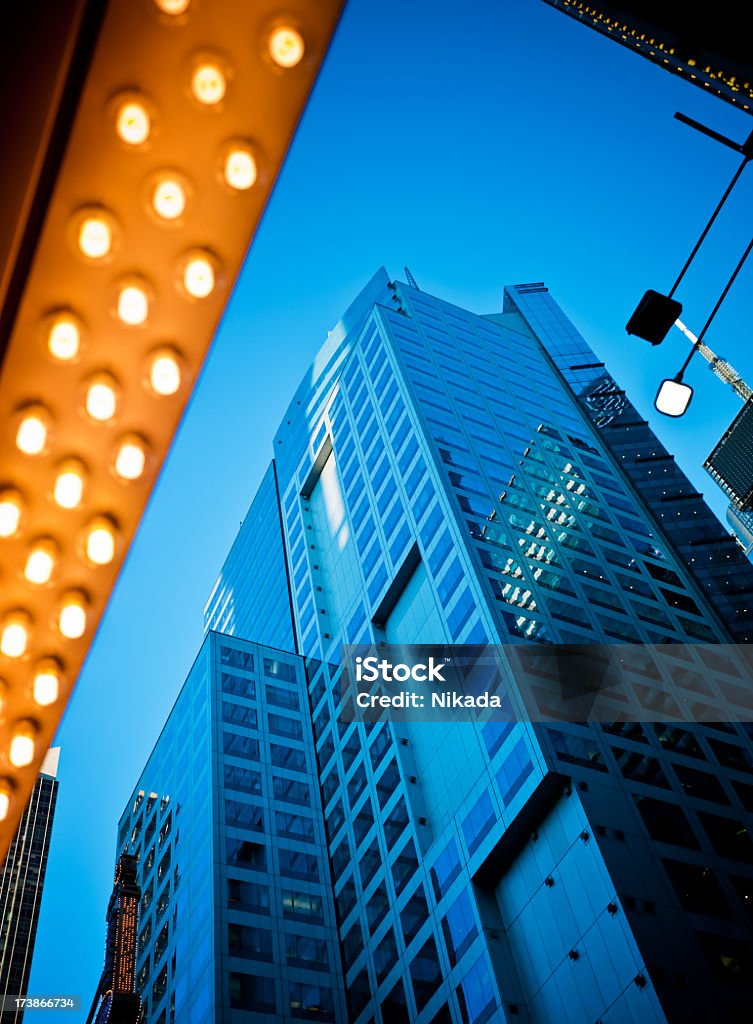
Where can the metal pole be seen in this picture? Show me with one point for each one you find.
(746, 149)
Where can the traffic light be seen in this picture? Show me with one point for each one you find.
(653, 317)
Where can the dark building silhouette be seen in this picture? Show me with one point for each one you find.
(21, 884)
(116, 1000)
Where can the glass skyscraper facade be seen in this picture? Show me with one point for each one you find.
(445, 477)
(21, 884)
(227, 825)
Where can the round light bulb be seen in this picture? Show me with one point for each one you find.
(100, 542)
(208, 83)
(164, 373)
(64, 339)
(133, 123)
(169, 199)
(6, 794)
(130, 458)
(14, 635)
(198, 277)
(286, 46)
(31, 436)
(11, 507)
(69, 485)
(101, 399)
(46, 686)
(133, 305)
(173, 7)
(240, 169)
(72, 617)
(22, 745)
(40, 562)
(95, 237)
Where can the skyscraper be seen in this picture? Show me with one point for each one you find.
(445, 477)
(21, 886)
(234, 765)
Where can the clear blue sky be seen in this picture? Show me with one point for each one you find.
(480, 144)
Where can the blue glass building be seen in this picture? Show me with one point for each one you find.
(445, 477)
(227, 824)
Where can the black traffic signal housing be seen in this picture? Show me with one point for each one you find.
(653, 317)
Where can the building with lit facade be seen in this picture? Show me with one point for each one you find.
(116, 1000)
(445, 477)
(702, 46)
(21, 884)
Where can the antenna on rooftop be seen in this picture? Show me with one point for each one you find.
(411, 279)
(723, 370)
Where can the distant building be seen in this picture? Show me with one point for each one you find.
(731, 462)
(705, 46)
(116, 1000)
(742, 525)
(21, 884)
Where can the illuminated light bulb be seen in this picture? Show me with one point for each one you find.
(69, 485)
(673, 398)
(23, 744)
(31, 436)
(130, 458)
(133, 305)
(286, 46)
(95, 237)
(133, 123)
(208, 83)
(240, 169)
(6, 795)
(198, 277)
(11, 508)
(41, 561)
(64, 339)
(100, 541)
(46, 685)
(72, 615)
(173, 7)
(101, 398)
(14, 634)
(169, 199)
(164, 372)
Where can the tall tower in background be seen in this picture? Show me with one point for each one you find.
(116, 1000)
(445, 477)
(21, 886)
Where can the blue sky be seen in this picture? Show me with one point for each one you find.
(480, 144)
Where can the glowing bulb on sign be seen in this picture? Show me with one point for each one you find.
(240, 171)
(133, 123)
(286, 46)
(208, 84)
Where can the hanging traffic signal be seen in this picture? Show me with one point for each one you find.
(653, 317)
